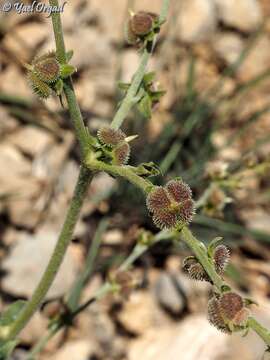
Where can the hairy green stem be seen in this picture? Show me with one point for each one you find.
(58, 34)
(57, 256)
(130, 98)
(81, 188)
(122, 171)
(200, 252)
(260, 330)
(75, 112)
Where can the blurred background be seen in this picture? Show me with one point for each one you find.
(212, 128)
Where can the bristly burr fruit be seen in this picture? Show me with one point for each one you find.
(194, 269)
(121, 153)
(46, 74)
(139, 26)
(228, 312)
(46, 67)
(110, 137)
(117, 142)
(39, 87)
(221, 258)
(171, 205)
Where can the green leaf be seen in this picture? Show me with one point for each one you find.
(11, 313)
(145, 106)
(6, 349)
(148, 169)
(157, 95)
(69, 55)
(59, 87)
(149, 78)
(67, 70)
(213, 244)
(123, 86)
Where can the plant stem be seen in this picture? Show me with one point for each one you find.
(57, 256)
(122, 171)
(200, 252)
(74, 109)
(130, 98)
(260, 330)
(81, 188)
(58, 34)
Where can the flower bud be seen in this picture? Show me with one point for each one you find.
(221, 258)
(110, 137)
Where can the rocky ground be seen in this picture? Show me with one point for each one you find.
(213, 59)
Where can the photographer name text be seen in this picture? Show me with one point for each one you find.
(35, 7)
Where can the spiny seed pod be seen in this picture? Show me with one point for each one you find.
(178, 190)
(241, 317)
(171, 205)
(141, 23)
(138, 26)
(47, 68)
(230, 305)
(215, 316)
(164, 219)
(221, 258)
(195, 270)
(188, 261)
(157, 199)
(110, 137)
(121, 153)
(186, 211)
(40, 88)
